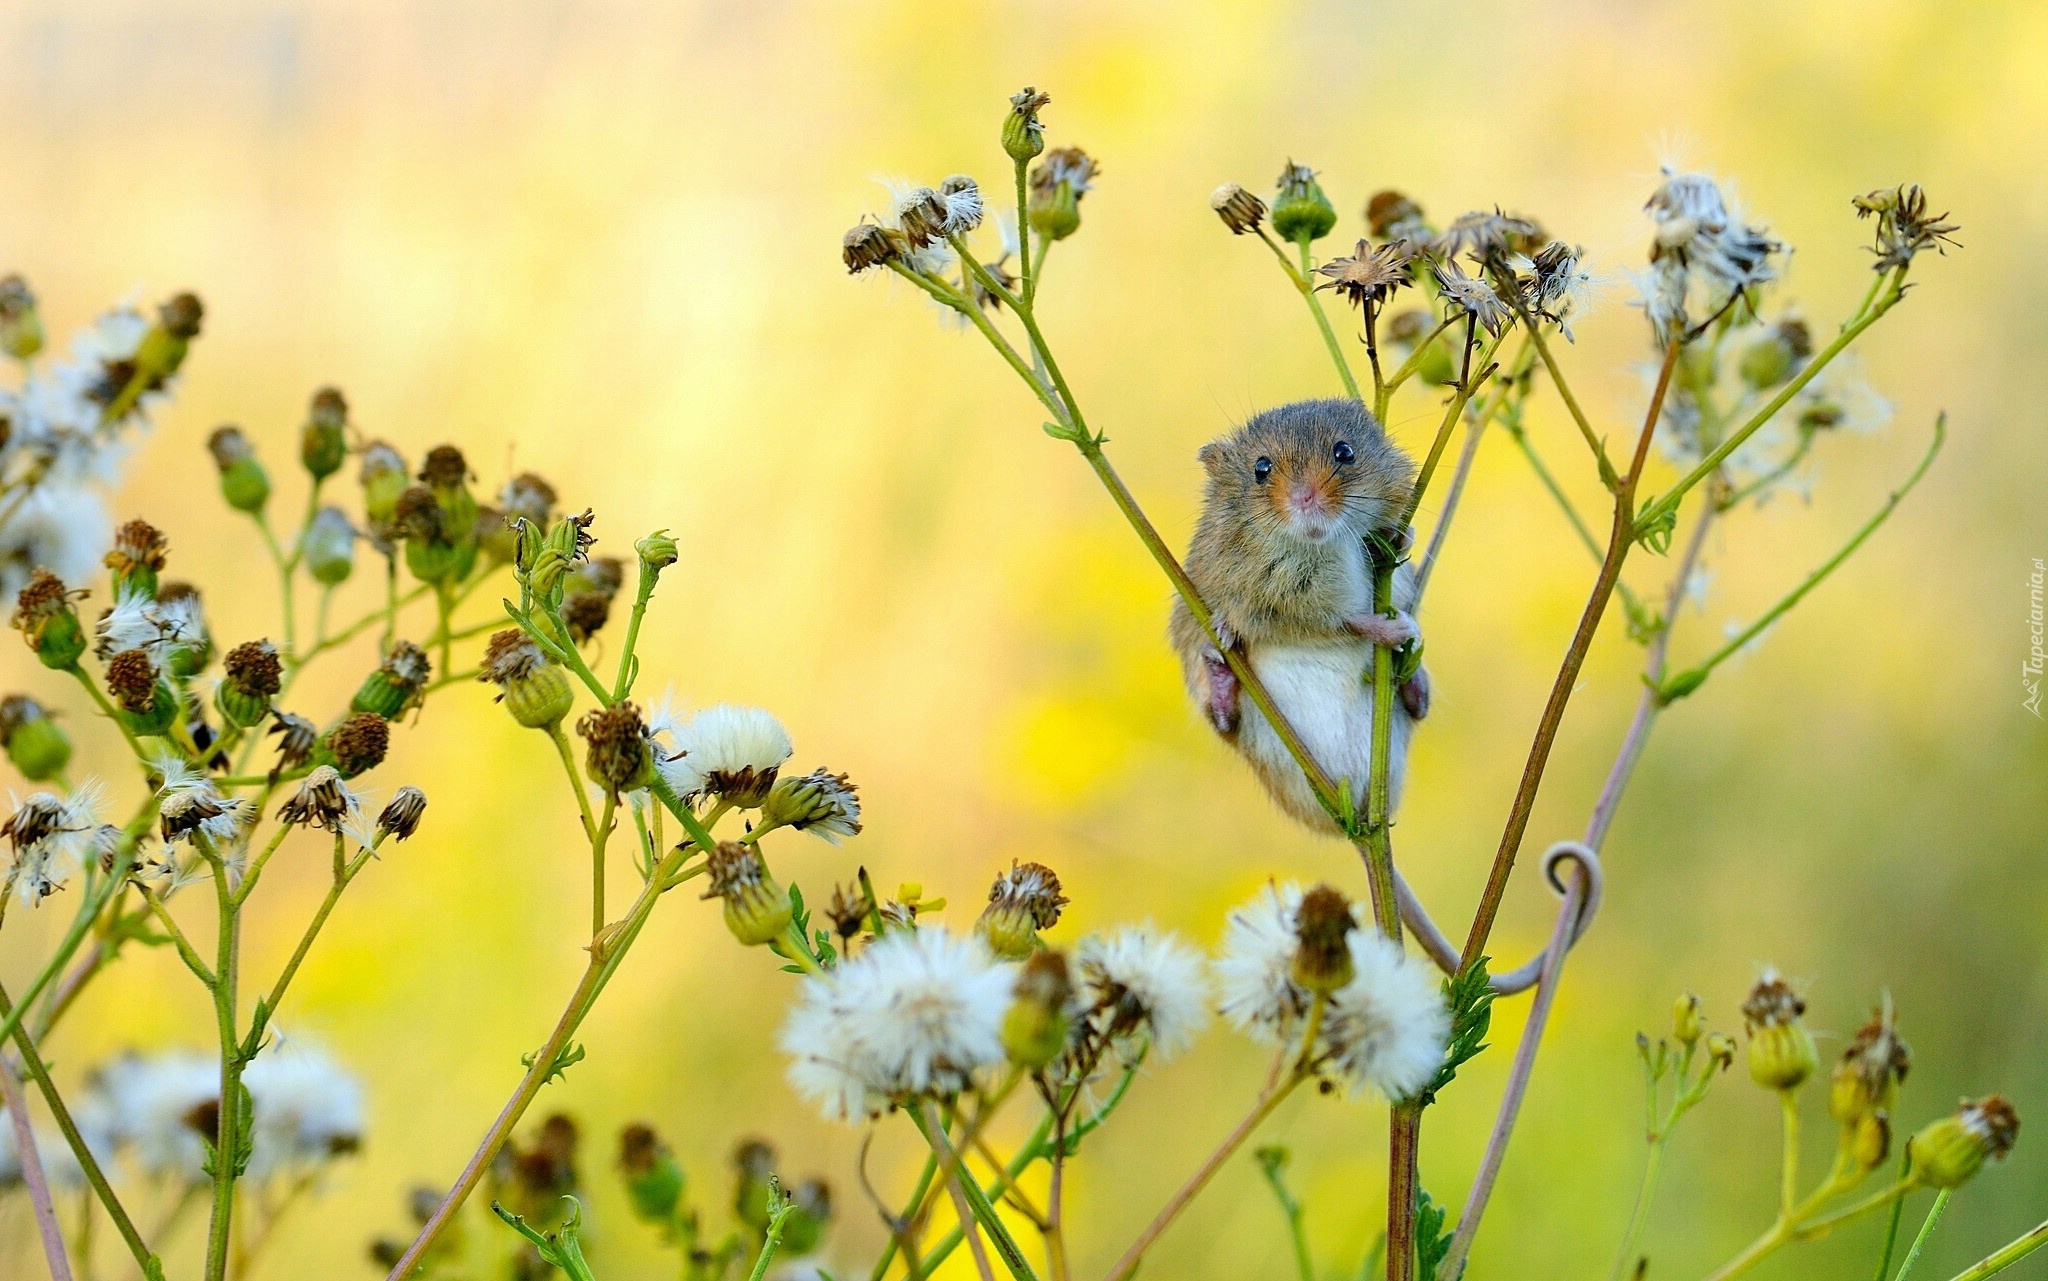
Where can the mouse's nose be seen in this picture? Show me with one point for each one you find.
(1306, 497)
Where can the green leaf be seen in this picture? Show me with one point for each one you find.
(1432, 1242)
(571, 1054)
(1469, 994)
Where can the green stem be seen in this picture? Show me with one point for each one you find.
(1691, 679)
(1299, 278)
(978, 1204)
(1869, 315)
(36, 1072)
(226, 1154)
(1639, 1217)
(111, 712)
(1788, 1170)
(1934, 1213)
(770, 1243)
(267, 1009)
(1292, 1211)
(562, 749)
(1571, 404)
(600, 838)
(2001, 1259)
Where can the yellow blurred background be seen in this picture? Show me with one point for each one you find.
(600, 241)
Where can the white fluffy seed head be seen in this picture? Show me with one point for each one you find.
(308, 1109)
(918, 1014)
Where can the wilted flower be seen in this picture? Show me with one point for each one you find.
(1701, 242)
(1023, 901)
(1904, 227)
(1369, 277)
(401, 816)
(1240, 210)
(1553, 285)
(1486, 237)
(398, 685)
(1058, 181)
(1471, 295)
(354, 746)
(323, 801)
(619, 757)
(296, 739)
(962, 196)
(50, 835)
(825, 804)
(1392, 216)
(1872, 1068)
(918, 1013)
(1143, 987)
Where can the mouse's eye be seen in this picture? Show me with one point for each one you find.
(1343, 453)
(1262, 469)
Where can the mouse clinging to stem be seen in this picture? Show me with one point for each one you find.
(1282, 554)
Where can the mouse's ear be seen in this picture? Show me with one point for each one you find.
(1211, 457)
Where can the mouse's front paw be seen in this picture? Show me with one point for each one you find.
(1391, 632)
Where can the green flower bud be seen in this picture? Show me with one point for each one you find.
(437, 553)
(1036, 1028)
(1781, 1050)
(1949, 1152)
(33, 741)
(329, 547)
(398, 685)
(44, 615)
(1023, 135)
(162, 349)
(657, 552)
(533, 687)
(137, 558)
(323, 440)
(243, 482)
(1300, 209)
(1023, 901)
(757, 909)
(559, 552)
(1322, 930)
(654, 1182)
(21, 324)
(252, 678)
(1686, 1025)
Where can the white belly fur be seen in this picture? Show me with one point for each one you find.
(1325, 692)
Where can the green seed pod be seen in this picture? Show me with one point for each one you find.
(398, 684)
(757, 909)
(384, 477)
(330, 547)
(1300, 209)
(21, 324)
(137, 558)
(252, 677)
(1781, 1051)
(803, 1229)
(532, 686)
(1023, 901)
(323, 440)
(243, 482)
(1322, 953)
(654, 1181)
(33, 741)
(1949, 1152)
(44, 615)
(354, 746)
(1036, 1028)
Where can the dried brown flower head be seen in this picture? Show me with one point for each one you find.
(1369, 277)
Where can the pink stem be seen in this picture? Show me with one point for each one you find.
(32, 1175)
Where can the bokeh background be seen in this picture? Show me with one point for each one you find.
(600, 241)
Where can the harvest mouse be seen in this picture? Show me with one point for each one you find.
(1281, 556)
